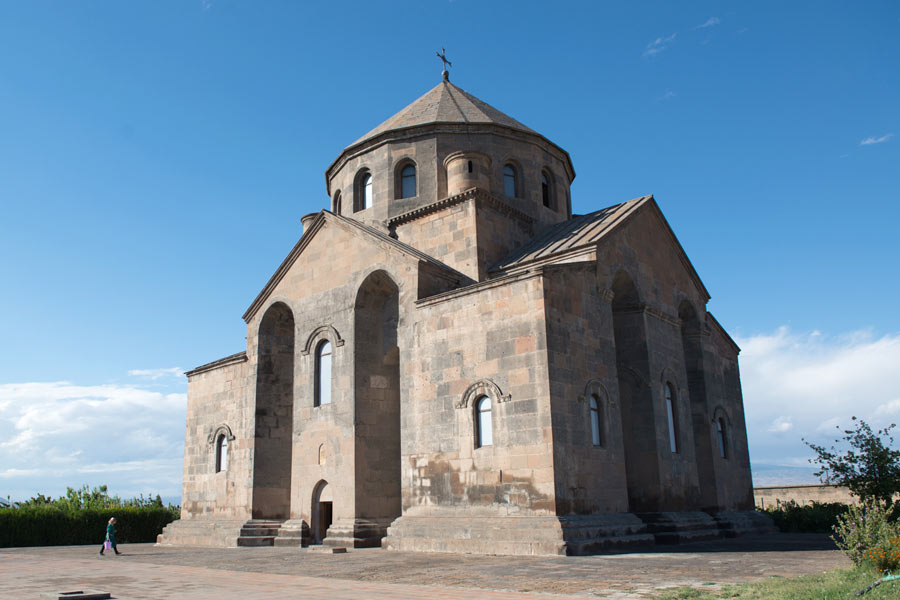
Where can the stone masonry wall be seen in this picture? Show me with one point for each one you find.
(449, 234)
(321, 290)
(645, 249)
(581, 352)
(221, 396)
(488, 339)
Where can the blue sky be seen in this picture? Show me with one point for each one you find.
(156, 158)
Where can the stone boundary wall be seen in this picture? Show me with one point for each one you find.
(771, 496)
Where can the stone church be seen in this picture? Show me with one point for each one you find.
(450, 360)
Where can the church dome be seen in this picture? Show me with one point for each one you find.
(444, 143)
(445, 103)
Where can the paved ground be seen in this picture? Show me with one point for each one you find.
(146, 571)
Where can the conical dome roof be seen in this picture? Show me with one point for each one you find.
(445, 103)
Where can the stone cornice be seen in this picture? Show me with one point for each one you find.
(318, 223)
(477, 194)
(477, 287)
(651, 311)
(718, 327)
(588, 253)
(218, 364)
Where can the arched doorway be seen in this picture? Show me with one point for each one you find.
(322, 511)
(274, 415)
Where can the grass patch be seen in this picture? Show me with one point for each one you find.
(840, 584)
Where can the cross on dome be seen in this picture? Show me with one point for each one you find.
(443, 56)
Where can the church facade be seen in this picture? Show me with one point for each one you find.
(450, 360)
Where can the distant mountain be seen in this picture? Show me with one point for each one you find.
(767, 475)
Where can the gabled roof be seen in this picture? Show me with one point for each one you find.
(579, 232)
(445, 103)
(582, 233)
(310, 233)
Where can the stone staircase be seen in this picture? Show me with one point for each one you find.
(259, 532)
(681, 527)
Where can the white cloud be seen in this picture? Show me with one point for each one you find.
(780, 425)
(876, 140)
(667, 96)
(710, 22)
(659, 44)
(157, 373)
(807, 385)
(59, 434)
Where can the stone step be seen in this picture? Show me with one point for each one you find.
(290, 533)
(259, 531)
(326, 549)
(288, 542)
(256, 540)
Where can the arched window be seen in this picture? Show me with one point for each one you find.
(509, 181)
(362, 193)
(367, 190)
(596, 439)
(323, 374)
(408, 182)
(484, 434)
(721, 435)
(547, 190)
(221, 453)
(336, 203)
(670, 412)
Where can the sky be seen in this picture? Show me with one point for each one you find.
(156, 158)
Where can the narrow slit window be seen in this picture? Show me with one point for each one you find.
(470, 166)
(720, 434)
(595, 421)
(545, 190)
(484, 434)
(509, 181)
(670, 412)
(367, 190)
(222, 453)
(408, 182)
(323, 374)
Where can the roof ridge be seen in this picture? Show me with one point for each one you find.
(310, 232)
(575, 233)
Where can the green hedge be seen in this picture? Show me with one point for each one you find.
(818, 517)
(50, 526)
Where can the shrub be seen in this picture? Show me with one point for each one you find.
(884, 559)
(818, 517)
(865, 527)
(871, 468)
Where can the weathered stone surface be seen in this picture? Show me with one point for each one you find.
(612, 392)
